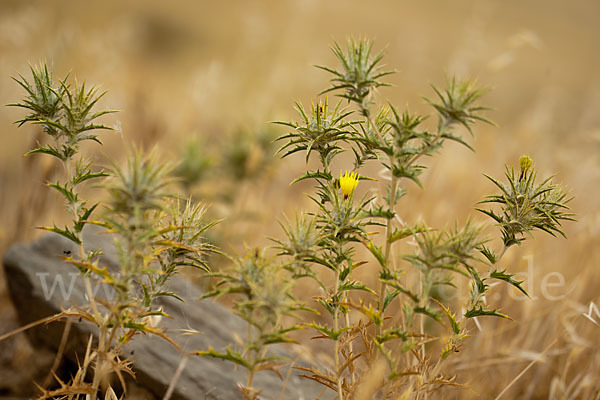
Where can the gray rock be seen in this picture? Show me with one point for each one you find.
(40, 283)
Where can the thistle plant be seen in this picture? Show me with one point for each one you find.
(333, 236)
(527, 205)
(155, 232)
(65, 114)
(242, 156)
(263, 297)
(195, 164)
(400, 323)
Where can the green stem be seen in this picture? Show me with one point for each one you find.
(101, 351)
(388, 228)
(350, 345)
(337, 342)
(100, 361)
(252, 358)
(388, 247)
(375, 129)
(73, 206)
(347, 321)
(425, 297)
(499, 256)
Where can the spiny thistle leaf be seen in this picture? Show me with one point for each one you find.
(392, 334)
(329, 333)
(503, 276)
(488, 253)
(230, 355)
(48, 149)
(451, 317)
(428, 312)
(69, 195)
(67, 233)
(480, 311)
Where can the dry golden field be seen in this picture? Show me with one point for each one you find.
(210, 70)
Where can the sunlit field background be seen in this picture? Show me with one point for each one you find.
(202, 80)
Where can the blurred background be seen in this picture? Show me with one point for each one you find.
(201, 80)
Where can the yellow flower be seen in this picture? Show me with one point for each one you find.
(525, 163)
(348, 182)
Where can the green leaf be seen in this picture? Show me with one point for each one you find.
(503, 276)
(481, 286)
(169, 294)
(354, 285)
(390, 297)
(62, 232)
(457, 139)
(345, 272)
(488, 253)
(428, 312)
(407, 232)
(314, 175)
(278, 337)
(330, 333)
(480, 311)
(392, 334)
(491, 214)
(411, 173)
(451, 317)
(83, 219)
(379, 212)
(65, 191)
(46, 150)
(377, 252)
(87, 176)
(146, 294)
(230, 355)
(85, 266)
(402, 290)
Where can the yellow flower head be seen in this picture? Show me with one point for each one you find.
(348, 182)
(525, 163)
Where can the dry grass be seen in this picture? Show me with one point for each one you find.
(200, 69)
